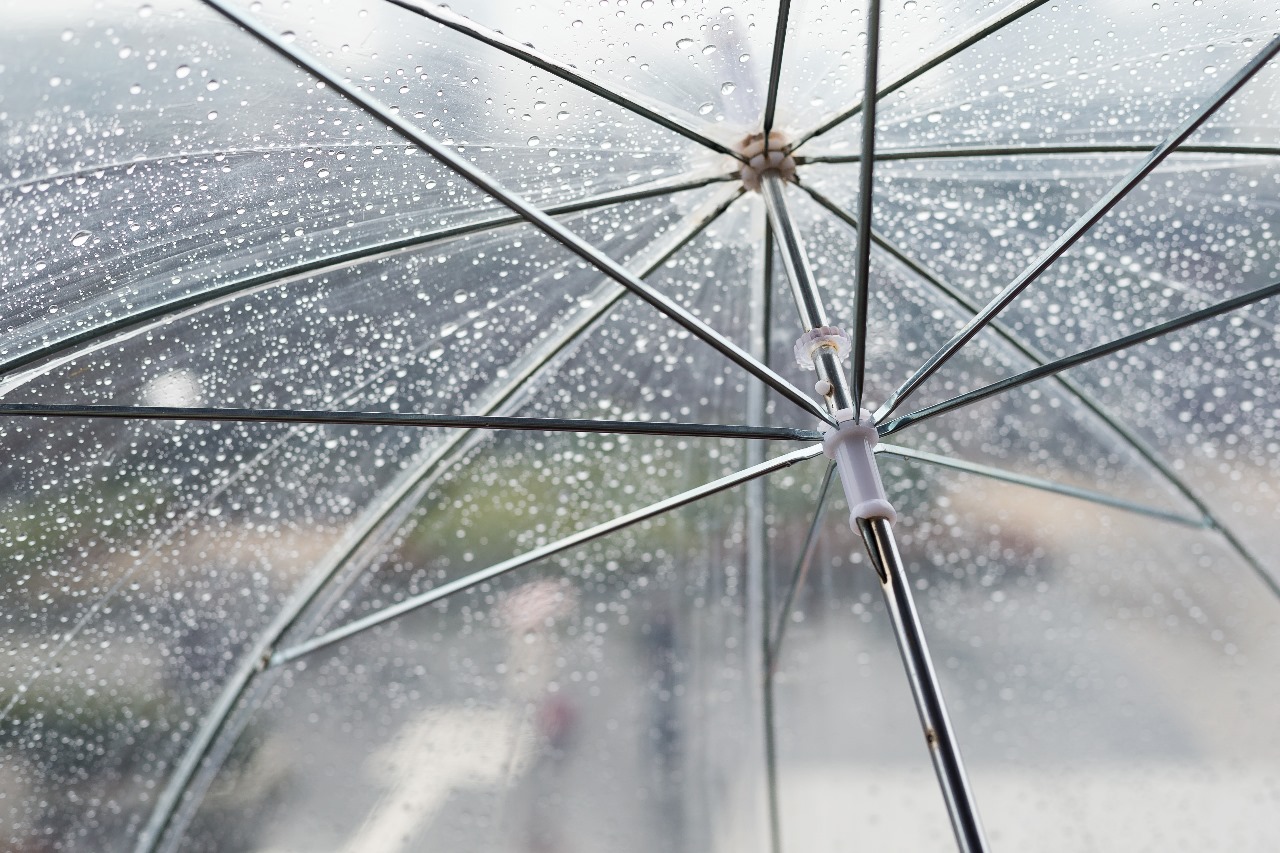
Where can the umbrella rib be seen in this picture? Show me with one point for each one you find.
(538, 218)
(1077, 229)
(205, 299)
(759, 586)
(801, 570)
(1053, 367)
(458, 23)
(1073, 388)
(862, 266)
(775, 67)
(582, 537)
(933, 62)
(408, 419)
(972, 151)
(1044, 485)
(405, 494)
(827, 360)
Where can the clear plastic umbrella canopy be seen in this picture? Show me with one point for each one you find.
(413, 426)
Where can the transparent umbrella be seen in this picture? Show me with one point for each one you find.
(413, 419)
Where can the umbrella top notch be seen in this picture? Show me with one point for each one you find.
(763, 154)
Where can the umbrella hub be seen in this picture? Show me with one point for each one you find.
(851, 445)
(766, 154)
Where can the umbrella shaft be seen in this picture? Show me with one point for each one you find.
(804, 288)
(877, 533)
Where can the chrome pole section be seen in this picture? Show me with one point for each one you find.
(833, 383)
(877, 533)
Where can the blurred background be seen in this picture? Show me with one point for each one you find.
(191, 221)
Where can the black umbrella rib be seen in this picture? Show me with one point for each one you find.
(406, 419)
(1054, 367)
(319, 266)
(866, 196)
(1077, 229)
(1066, 490)
(974, 151)
(458, 23)
(538, 218)
(922, 69)
(372, 527)
(1073, 388)
(775, 67)
(801, 570)
(541, 553)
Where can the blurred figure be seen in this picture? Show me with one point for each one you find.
(531, 614)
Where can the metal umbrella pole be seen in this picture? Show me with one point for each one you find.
(877, 533)
(851, 445)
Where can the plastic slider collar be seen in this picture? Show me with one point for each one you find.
(830, 337)
(850, 444)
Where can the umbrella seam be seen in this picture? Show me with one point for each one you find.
(204, 300)
(585, 250)
(495, 39)
(1077, 229)
(1132, 439)
(1042, 484)
(444, 591)
(1093, 353)
(206, 737)
(1033, 150)
(957, 47)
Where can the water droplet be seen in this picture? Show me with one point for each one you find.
(684, 43)
(934, 118)
(288, 36)
(212, 85)
(68, 35)
(80, 238)
(144, 11)
(135, 89)
(727, 88)
(708, 50)
(213, 114)
(1211, 69)
(182, 71)
(308, 163)
(562, 115)
(706, 108)
(534, 141)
